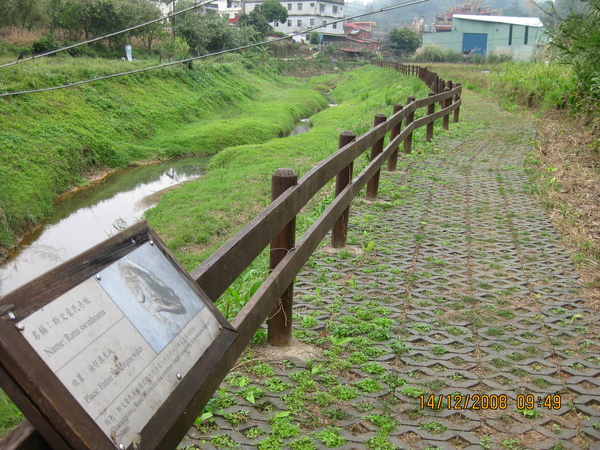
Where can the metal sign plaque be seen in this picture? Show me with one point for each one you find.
(122, 340)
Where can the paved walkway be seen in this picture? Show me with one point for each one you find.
(454, 293)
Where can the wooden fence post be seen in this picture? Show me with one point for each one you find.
(373, 184)
(393, 161)
(430, 110)
(446, 119)
(439, 91)
(409, 119)
(339, 232)
(456, 98)
(280, 320)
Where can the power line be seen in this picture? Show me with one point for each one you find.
(244, 47)
(116, 33)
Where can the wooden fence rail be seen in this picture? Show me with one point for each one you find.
(223, 267)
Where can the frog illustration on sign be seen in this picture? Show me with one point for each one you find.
(150, 291)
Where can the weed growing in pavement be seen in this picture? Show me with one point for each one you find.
(413, 392)
(433, 427)
(223, 441)
(330, 437)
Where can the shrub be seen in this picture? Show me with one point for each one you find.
(44, 44)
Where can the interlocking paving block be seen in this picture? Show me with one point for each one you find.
(461, 327)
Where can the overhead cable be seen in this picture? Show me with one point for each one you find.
(195, 58)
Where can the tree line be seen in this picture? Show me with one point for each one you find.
(195, 32)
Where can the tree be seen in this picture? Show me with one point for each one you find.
(137, 12)
(315, 38)
(405, 40)
(272, 10)
(257, 21)
(209, 33)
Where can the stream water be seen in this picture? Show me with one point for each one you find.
(91, 215)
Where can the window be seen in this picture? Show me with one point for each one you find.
(335, 9)
(299, 6)
(324, 23)
(526, 38)
(289, 6)
(312, 22)
(322, 8)
(334, 26)
(299, 23)
(289, 23)
(510, 31)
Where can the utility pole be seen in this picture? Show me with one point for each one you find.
(173, 18)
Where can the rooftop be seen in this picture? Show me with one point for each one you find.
(526, 21)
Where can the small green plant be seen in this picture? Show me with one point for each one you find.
(439, 351)
(422, 327)
(530, 413)
(372, 368)
(251, 393)
(223, 441)
(413, 392)
(263, 369)
(276, 385)
(254, 432)
(237, 417)
(330, 437)
(303, 443)
(344, 392)
(368, 385)
(433, 427)
(485, 442)
(282, 427)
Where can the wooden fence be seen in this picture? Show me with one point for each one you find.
(275, 226)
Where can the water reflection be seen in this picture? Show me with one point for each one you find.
(90, 216)
(301, 128)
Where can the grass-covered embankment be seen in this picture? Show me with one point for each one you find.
(534, 85)
(53, 141)
(198, 217)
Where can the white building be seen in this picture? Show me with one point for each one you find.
(302, 15)
(232, 8)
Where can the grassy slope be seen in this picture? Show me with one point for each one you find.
(49, 142)
(526, 84)
(197, 218)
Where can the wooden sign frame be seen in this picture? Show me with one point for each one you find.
(49, 404)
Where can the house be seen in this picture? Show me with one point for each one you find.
(356, 40)
(231, 8)
(302, 15)
(517, 36)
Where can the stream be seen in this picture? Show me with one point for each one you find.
(91, 215)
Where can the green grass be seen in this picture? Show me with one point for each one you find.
(237, 185)
(527, 84)
(10, 415)
(168, 118)
(53, 141)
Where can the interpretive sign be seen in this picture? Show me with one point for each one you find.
(121, 341)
